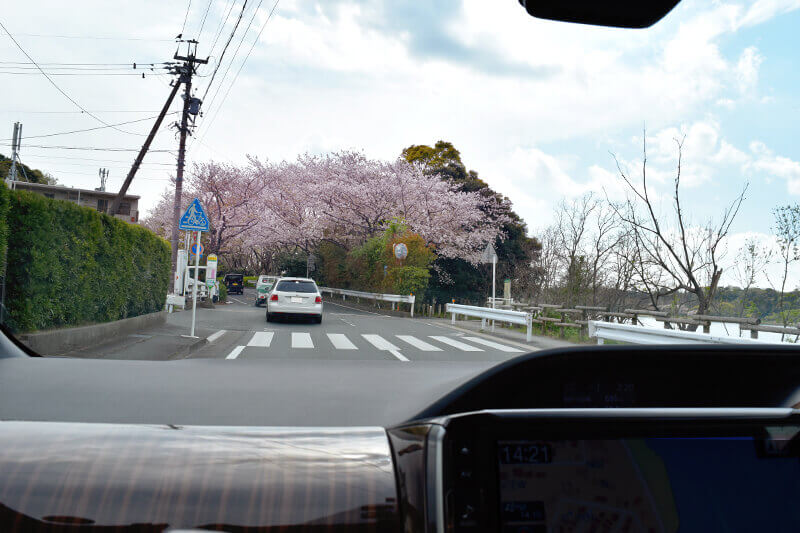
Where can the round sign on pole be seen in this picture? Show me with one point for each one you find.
(194, 249)
(400, 250)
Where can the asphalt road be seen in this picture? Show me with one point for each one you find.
(239, 330)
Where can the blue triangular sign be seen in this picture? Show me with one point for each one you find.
(194, 219)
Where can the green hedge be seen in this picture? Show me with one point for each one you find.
(70, 265)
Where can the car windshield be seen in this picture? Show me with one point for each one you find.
(456, 180)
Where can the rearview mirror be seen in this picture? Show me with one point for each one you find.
(617, 13)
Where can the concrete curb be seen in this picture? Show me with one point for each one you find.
(185, 351)
(59, 341)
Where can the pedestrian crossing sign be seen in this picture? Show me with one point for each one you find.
(195, 218)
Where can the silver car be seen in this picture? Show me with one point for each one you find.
(295, 297)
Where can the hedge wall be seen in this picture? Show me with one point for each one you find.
(70, 265)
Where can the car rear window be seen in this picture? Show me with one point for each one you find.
(296, 286)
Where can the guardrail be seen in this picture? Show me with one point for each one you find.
(604, 331)
(394, 298)
(487, 313)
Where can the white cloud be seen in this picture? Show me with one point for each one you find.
(747, 69)
(341, 74)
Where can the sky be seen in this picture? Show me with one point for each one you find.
(540, 109)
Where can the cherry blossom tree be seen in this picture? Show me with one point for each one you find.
(344, 198)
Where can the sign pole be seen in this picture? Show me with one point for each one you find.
(196, 281)
(494, 269)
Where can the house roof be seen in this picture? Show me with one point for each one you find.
(47, 187)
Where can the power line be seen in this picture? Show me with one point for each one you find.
(89, 37)
(56, 85)
(128, 64)
(40, 156)
(185, 18)
(73, 112)
(89, 148)
(227, 69)
(203, 23)
(222, 25)
(73, 173)
(89, 129)
(258, 37)
(225, 48)
(139, 74)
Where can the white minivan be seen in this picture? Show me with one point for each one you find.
(295, 297)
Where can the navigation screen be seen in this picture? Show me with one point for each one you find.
(652, 485)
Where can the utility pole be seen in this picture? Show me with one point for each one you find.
(190, 106)
(103, 178)
(138, 161)
(16, 141)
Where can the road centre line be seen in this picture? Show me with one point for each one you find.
(217, 335)
(235, 352)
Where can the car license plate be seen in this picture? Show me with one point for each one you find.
(297, 300)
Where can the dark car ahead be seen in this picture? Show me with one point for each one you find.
(234, 283)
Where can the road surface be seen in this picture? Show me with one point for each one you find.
(239, 330)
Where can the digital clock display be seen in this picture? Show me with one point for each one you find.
(525, 453)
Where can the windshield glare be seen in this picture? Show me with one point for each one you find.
(426, 164)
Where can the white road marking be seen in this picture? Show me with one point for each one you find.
(302, 340)
(237, 300)
(452, 342)
(382, 344)
(235, 352)
(346, 322)
(262, 339)
(217, 335)
(495, 345)
(399, 355)
(417, 343)
(341, 342)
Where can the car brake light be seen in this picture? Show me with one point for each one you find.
(318, 300)
(273, 298)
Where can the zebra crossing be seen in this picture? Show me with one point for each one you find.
(396, 345)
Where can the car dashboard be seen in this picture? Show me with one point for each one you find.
(615, 438)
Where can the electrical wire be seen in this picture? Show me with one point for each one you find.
(203, 23)
(129, 64)
(224, 49)
(222, 25)
(91, 129)
(227, 69)
(139, 74)
(72, 173)
(89, 37)
(40, 156)
(88, 148)
(56, 85)
(80, 112)
(185, 18)
(258, 38)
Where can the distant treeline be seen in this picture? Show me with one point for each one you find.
(756, 303)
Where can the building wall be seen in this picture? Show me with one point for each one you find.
(129, 208)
